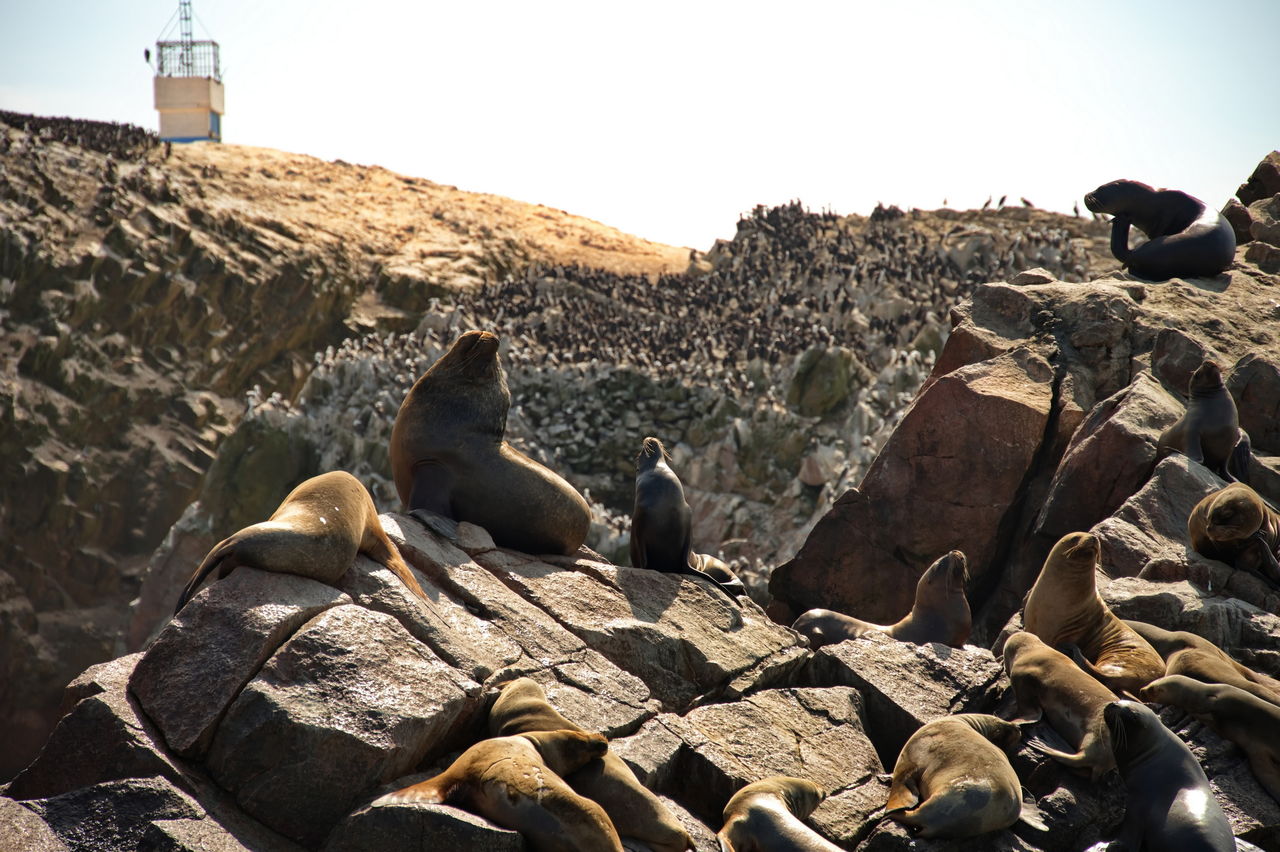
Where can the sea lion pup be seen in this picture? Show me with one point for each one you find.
(765, 816)
(940, 612)
(1046, 683)
(1208, 432)
(1186, 239)
(316, 532)
(662, 522)
(522, 707)
(953, 779)
(1246, 720)
(448, 456)
(1197, 658)
(1064, 608)
(1236, 526)
(518, 783)
(1170, 806)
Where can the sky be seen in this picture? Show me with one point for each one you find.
(669, 120)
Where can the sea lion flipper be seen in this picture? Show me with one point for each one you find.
(431, 488)
(220, 558)
(1032, 815)
(1238, 462)
(903, 796)
(1120, 238)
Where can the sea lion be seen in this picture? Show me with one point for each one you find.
(1046, 683)
(1196, 657)
(765, 816)
(1170, 806)
(1064, 608)
(717, 570)
(448, 456)
(522, 707)
(1246, 720)
(315, 532)
(518, 783)
(952, 778)
(1236, 526)
(662, 522)
(940, 612)
(1208, 432)
(1186, 239)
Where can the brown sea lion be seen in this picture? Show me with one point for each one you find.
(1064, 608)
(1196, 657)
(522, 707)
(662, 523)
(766, 816)
(940, 612)
(1186, 238)
(952, 778)
(1046, 683)
(448, 456)
(1246, 720)
(518, 783)
(315, 532)
(1236, 526)
(1170, 806)
(1209, 430)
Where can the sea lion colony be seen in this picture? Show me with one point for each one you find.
(942, 787)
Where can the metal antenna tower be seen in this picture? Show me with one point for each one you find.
(184, 23)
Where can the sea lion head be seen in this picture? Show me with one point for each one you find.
(1129, 724)
(1075, 552)
(564, 751)
(651, 454)
(1165, 690)
(1003, 733)
(1117, 197)
(1016, 644)
(1235, 513)
(1207, 377)
(949, 574)
(800, 795)
(467, 384)
(473, 358)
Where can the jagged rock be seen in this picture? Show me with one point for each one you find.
(102, 737)
(350, 701)
(403, 826)
(824, 379)
(20, 828)
(211, 649)
(1255, 385)
(864, 558)
(892, 837)
(1265, 255)
(1176, 356)
(905, 685)
(1032, 276)
(1241, 220)
(1110, 456)
(1266, 220)
(1264, 182)
(114, 814)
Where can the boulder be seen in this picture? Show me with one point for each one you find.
(210, 650)
(1255, 385)
(1110, 456)
(1241, 220)
(113, 814)
(1264, 182)
(22, 829)
(958, 458)
(350, 701)
(404, 826)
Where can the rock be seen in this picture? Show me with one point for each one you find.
(865, 556)
(114, 814)
(1264, 182)
(1255, 385)
(387, 828)
(1110, 456)
(20, 828)
(200, 662)
(905, 685)
(350, 701)
(1175, 357)
(1028, 277)
(889, 836)
(1265, 255)
(1239, 217)
(103, 737)
(823, 380)
(1266, 220)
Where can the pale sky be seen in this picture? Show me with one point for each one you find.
(668, 120)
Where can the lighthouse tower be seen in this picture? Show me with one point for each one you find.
(188, 85)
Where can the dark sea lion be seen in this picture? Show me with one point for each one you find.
(1186, 239)
(766, 816)
(316, 532)
(448, 456)
(662, 522)
(518, 783)
(1208, 432)
(1170, 806)
(522, 707)
(1064, 608)
(940, 612)
(953, 780)
(1236, 526)
(1246, 720)
(717, 570)
(1047, 684)
(1196, 657)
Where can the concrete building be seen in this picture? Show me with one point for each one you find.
(188, 85)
